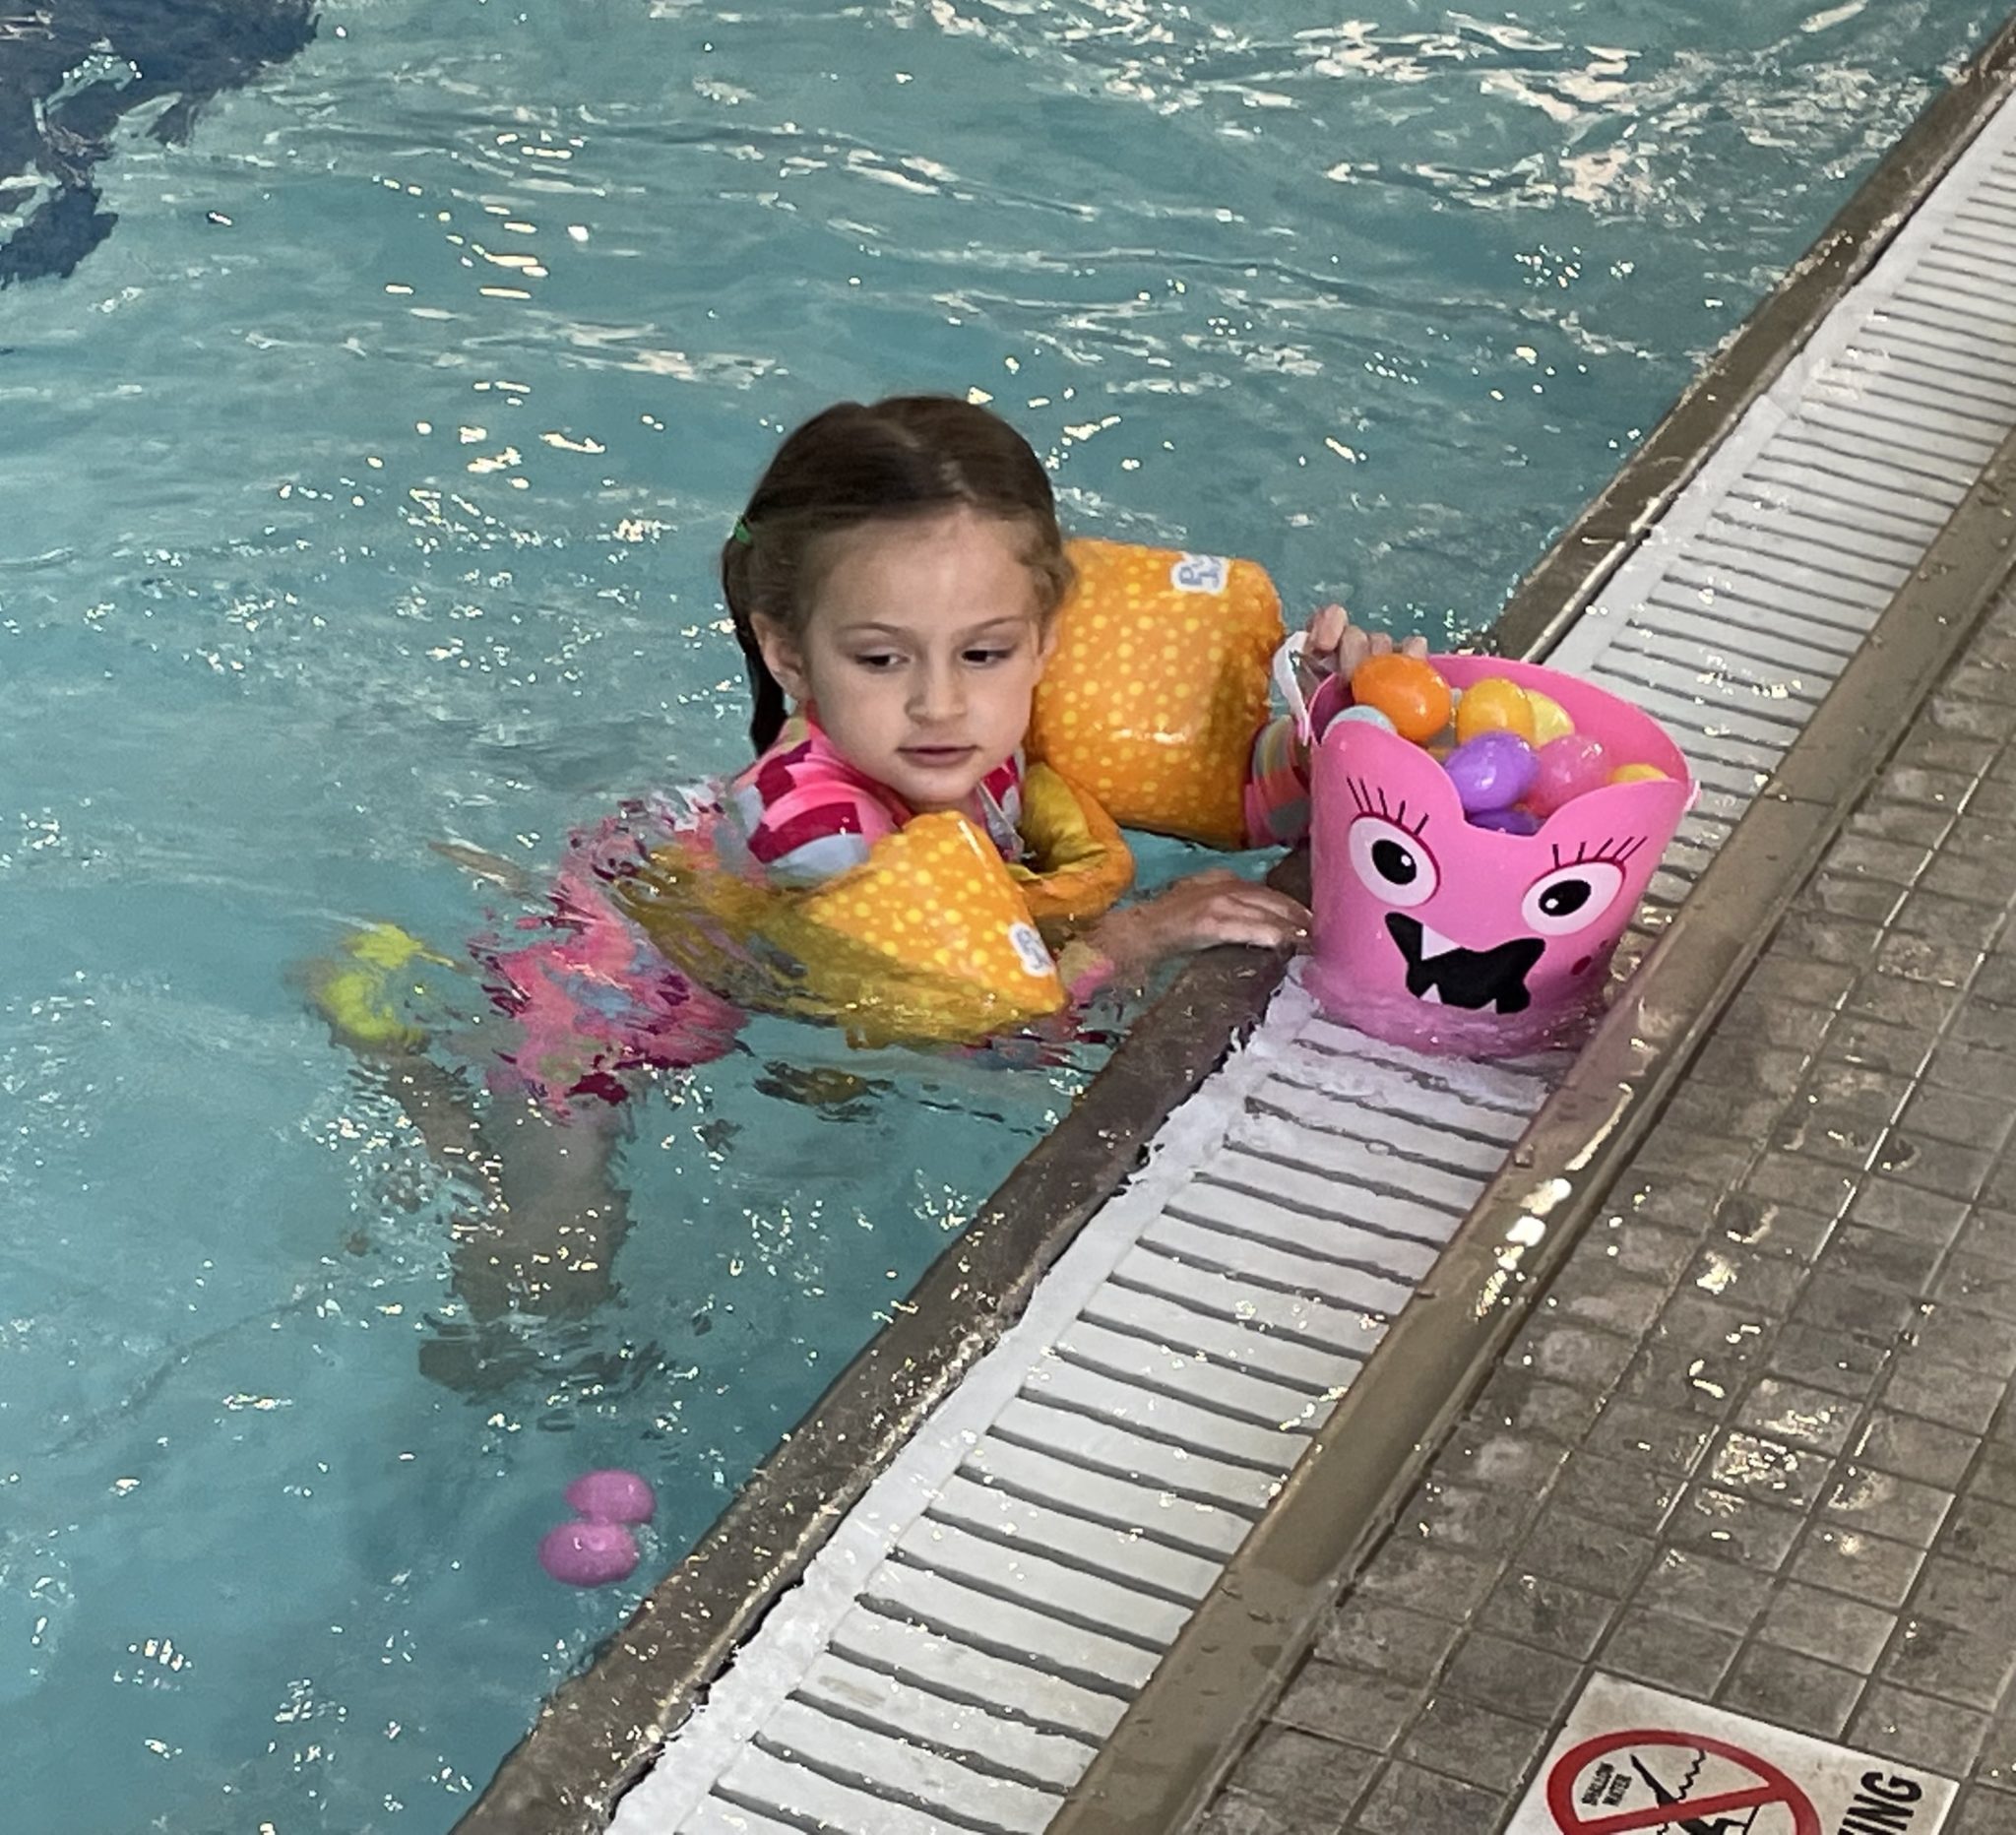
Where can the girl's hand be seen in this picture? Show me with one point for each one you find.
(1335, 646)
(1214, 907)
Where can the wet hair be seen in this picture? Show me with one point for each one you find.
(904, 459)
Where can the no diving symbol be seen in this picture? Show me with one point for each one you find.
(1664, 1765)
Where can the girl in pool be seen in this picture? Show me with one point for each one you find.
(894, 583)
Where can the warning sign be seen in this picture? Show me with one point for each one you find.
(1634, 1759)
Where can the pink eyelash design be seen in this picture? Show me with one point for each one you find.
(1362, 793)
(1616, 850)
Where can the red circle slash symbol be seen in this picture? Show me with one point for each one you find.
(1730, 1812)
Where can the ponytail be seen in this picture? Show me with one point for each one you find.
(765, 692)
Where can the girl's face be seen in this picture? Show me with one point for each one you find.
(923, 647)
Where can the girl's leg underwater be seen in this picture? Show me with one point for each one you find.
(541, 1233)
(542, 1236)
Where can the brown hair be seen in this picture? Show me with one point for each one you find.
(910, 456)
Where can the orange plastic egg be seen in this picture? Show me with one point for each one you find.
(1637, 774)
(1409, 692)
(1494, 705)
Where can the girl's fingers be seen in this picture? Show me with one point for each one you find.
(1216, 906)
(1326, 628)
(1335, 646)
(1353, 648)
(1255, 915)
(1252, 896)
(1261, 932)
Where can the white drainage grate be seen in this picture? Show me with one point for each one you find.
(985, 1614)
(982, 1617)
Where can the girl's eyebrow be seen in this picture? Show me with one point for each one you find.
(862, 627)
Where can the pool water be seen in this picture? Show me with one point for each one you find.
(360, 491)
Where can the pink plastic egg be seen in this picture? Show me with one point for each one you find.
(1567, 768)
(586, 1553)
(1492, 771)
(612, 1495)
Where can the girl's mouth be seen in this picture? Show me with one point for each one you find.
(937, 754)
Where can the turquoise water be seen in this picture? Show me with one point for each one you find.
(361, 492)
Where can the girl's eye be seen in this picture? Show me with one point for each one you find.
(985, 657)
(879, 660)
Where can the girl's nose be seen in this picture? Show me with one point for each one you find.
(936, 692)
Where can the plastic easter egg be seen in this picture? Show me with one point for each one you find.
(1369, 716)
(1550, 719)
(586, 1553)
(1492, 771)
(1637, 774)
(1494, 705)
(1568, 768)
(612, 1495)
(1409, 692)
(1332, 696)
(1512, 821)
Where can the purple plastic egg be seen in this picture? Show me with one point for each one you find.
(612, 1495)
(1568, 766)
(1514, 821)
(1492, 771)
(586, 1553)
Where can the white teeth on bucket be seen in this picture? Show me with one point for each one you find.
(1434, 943)
(1433, 995)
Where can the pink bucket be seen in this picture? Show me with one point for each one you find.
(1433, 933)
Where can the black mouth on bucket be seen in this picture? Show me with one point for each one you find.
(1467, 977)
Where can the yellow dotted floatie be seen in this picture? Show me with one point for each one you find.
(1159, 685)
(929, 939)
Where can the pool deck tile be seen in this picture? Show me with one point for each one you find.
(1758, 1442)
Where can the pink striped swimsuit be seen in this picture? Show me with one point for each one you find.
(593, 1000)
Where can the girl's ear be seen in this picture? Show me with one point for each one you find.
(783, 656)
(1046, 645)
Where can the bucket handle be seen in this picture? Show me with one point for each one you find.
(1287, 678)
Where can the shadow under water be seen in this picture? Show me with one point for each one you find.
(62, 96)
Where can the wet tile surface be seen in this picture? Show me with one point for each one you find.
(1757, 1443)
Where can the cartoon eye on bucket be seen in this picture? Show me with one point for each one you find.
(1572, 898)
(1391, 863)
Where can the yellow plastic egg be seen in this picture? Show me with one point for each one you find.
(1637, 774)
(1550, 718)
(1494, 705)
